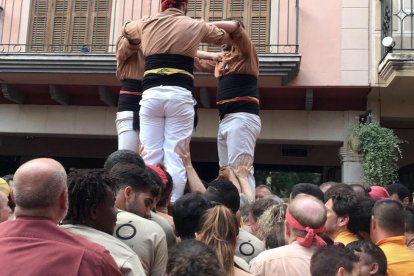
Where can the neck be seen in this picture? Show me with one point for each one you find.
(45, 213)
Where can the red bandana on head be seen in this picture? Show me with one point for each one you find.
(312, 234)
(160, 172)
(168, 4)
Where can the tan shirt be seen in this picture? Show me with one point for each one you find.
(242, 58)
(129, 60)
(248, 246)
(126, 259)
(146, 239)
(292, 259)
(171, 32)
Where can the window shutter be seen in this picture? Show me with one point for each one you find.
(60, 26)
(259, 25)
(195, 9)
(80, 26)
(101, 25)
(38, 25)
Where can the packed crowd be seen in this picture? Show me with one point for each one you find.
(147, 212)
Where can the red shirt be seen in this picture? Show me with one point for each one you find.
(37, 246)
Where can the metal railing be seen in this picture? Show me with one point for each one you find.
(398, 23)
(48, 26)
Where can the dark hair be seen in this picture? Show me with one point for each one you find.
(360, 190)
(123, 156)
(140, 179)
(307, 188)
(193, 258)
(261, 205)
(375, 254)
(187, 212)
(87, 188)
(262, 186)
(166, 188)
(409, 219)
(399, 189)
(328, 259)
(338, 189)
(389, 216)
(360, 221)
(224, 192)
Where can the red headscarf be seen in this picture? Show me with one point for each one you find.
(312, 234)
(169, 4)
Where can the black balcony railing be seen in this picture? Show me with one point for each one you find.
(398, 23)
(28, 26)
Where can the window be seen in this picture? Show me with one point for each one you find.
(255, 15)
(70, 25)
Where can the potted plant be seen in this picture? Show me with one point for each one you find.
(380, 150)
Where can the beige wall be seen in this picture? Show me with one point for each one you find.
(315, 127)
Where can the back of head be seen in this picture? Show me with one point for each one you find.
(338, 189)
(307, 188)
(360, 221)
(167, 4)
(188, 211)
(140, 179)
(224, 192)
(399, 189)
(308, 211)
(88, 189)
(360, 190)
(123, 156)
(37, 187)
(326, 185)
(409, 220)
(370, 254)
(328, 260)
(260, 206)
(378, 192)
(219, 231)
(272, 223)
(389, 216)
(193, 258)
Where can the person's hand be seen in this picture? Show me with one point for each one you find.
(183, 150)
(141, 150)
(244, 164)
(218, 56)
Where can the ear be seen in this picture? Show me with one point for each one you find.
(128, 192)
(374, 269)
(341, 272)
(343, 221)
(373, 223)
(93, 213)
(405, 201)
(12, 196)
(63, 200)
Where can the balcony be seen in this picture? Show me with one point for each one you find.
(57, 44)
(397, 62)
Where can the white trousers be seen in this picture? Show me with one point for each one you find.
(166, 118)
(128, 138)
(237, 135)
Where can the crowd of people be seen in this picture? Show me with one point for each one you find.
(147, 212)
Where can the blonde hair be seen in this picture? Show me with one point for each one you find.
(273, 218)
(219, 231)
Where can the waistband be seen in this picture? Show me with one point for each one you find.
(168, 70)
(235, 86)
(238, 99)
(131, 85)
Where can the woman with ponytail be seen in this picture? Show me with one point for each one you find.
(219, 231)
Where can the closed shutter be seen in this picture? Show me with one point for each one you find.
(254, 14)
(259, 24)
(38, 25)
(70, 25)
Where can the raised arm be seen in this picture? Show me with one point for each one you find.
(194, 181)
(229, 26)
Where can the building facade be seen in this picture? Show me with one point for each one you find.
(318, 73)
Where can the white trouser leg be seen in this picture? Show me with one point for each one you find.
(128, 138)
(237, 135)
(176, 106)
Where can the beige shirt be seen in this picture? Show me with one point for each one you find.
(290, 260)
(242, 58)
(248, 246)
(166, 227)
(126, 259)
(129, 60)
(146, 239)
(171, 32)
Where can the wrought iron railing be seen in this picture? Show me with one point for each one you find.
(28, 26)
(398, 23)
